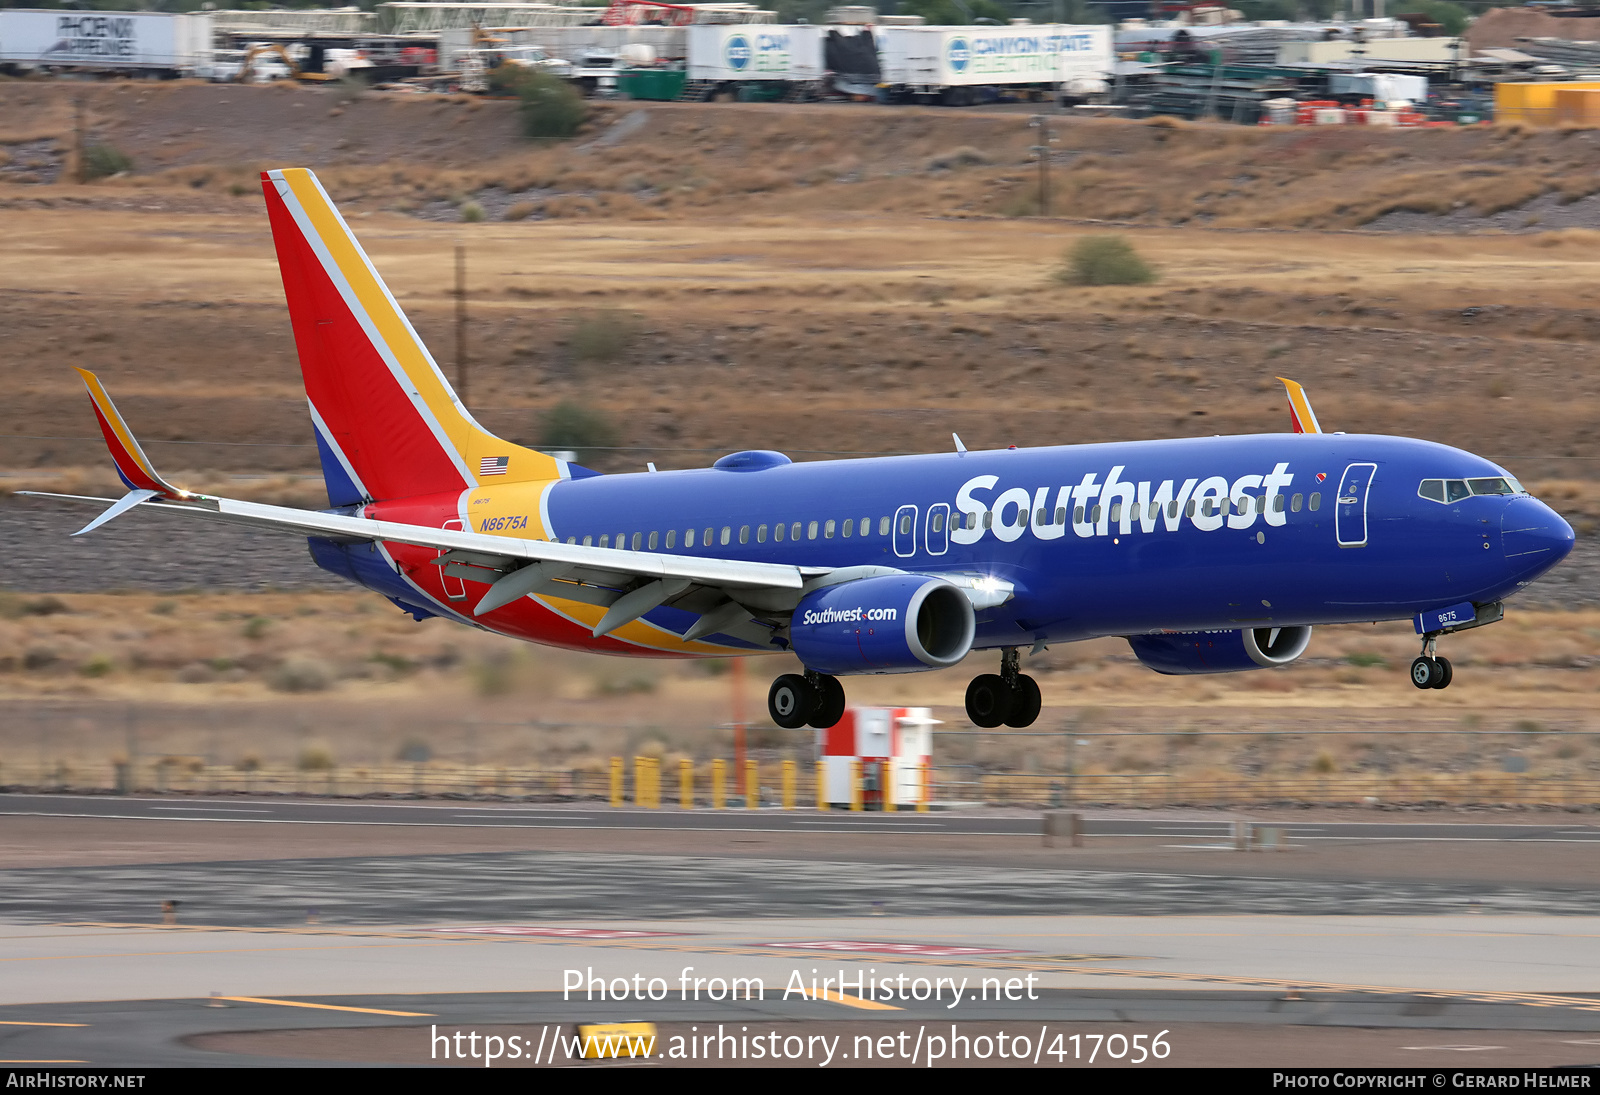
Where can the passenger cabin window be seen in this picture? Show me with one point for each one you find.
(777, 534)
(811, 531)
(828, 530)
(672, 538)
(883, 525)
(938, 521)
(654, 539)
(588, 541)
(1296, 502)
(794, 532)
(1316, 501)
(744, 534)
(848, 529)
(866, 525)
(638, 540)
(705, 538)
(988, 518)
(905, 524)
(761, 534)
(1061, 515)
(727, 534)
(605, 539)
(688, 538)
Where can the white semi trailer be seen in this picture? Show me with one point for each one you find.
(953, 65)
(150, 43)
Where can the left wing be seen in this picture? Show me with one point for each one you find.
(727, 594)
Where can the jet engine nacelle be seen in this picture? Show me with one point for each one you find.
(1187, 652)
(894, 623)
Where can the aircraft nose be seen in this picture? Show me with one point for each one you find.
(1534, 536)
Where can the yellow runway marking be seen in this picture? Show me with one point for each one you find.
(15, 1023)
(857, 1002)
(321, 1007)
(44, 1062)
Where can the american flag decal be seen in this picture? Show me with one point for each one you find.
(493, 465)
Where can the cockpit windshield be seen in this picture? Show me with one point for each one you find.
(1453, 490)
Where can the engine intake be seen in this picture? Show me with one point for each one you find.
(897, 623)
(1188, 652)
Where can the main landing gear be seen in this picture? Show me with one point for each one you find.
(1009, 697)
(815, 699)
(1431, 671)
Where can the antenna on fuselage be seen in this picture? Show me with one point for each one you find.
(960, 448)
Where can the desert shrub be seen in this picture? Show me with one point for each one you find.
(472, 212)
(552, 109)
(315, 758)
(603, 336)
(575, 427)
(1365, 659)
(521, 211)
(256, 627)
(1104, 260)
(965, 156)
(299, 675)
(101, 161)
(98, 666)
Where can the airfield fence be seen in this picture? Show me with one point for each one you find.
(155, 749)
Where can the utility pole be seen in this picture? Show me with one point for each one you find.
(1042, 150)
(81, 167)
(461, 322)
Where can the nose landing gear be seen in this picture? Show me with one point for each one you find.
(815, 699)
(1429, 670)
(1009, 697)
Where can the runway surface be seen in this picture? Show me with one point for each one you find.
(1212, 977)
(345, 932)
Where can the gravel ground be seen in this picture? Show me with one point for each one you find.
(507, 886)
(136, 553)
(1544, 214)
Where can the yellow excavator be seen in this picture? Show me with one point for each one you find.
(283, 54)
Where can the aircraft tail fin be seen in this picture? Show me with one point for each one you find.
(1300, 412)
(388, 423)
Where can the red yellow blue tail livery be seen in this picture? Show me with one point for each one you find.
(1209, 555)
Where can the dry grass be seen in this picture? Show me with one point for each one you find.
(341, 684)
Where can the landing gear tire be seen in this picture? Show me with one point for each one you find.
(1025, 702)
(1447, 674)
(791, 701)
(830, 702)
(1430, 673)
(989, 700)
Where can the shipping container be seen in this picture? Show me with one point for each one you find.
(1533, 103)
(108, 41)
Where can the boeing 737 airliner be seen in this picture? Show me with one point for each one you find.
(1209, 554)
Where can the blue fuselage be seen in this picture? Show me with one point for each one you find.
(1111, 539)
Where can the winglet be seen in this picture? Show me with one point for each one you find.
(1305, 419)
(132, 464)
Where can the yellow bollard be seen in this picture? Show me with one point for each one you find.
(716, 784)
(788, 785)
(822, 785)
(686, 784)
(927, 789)
(655, 783)
(641, 781)
(616, 781)
(886, 767)
(752, 785)
(855, 784)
